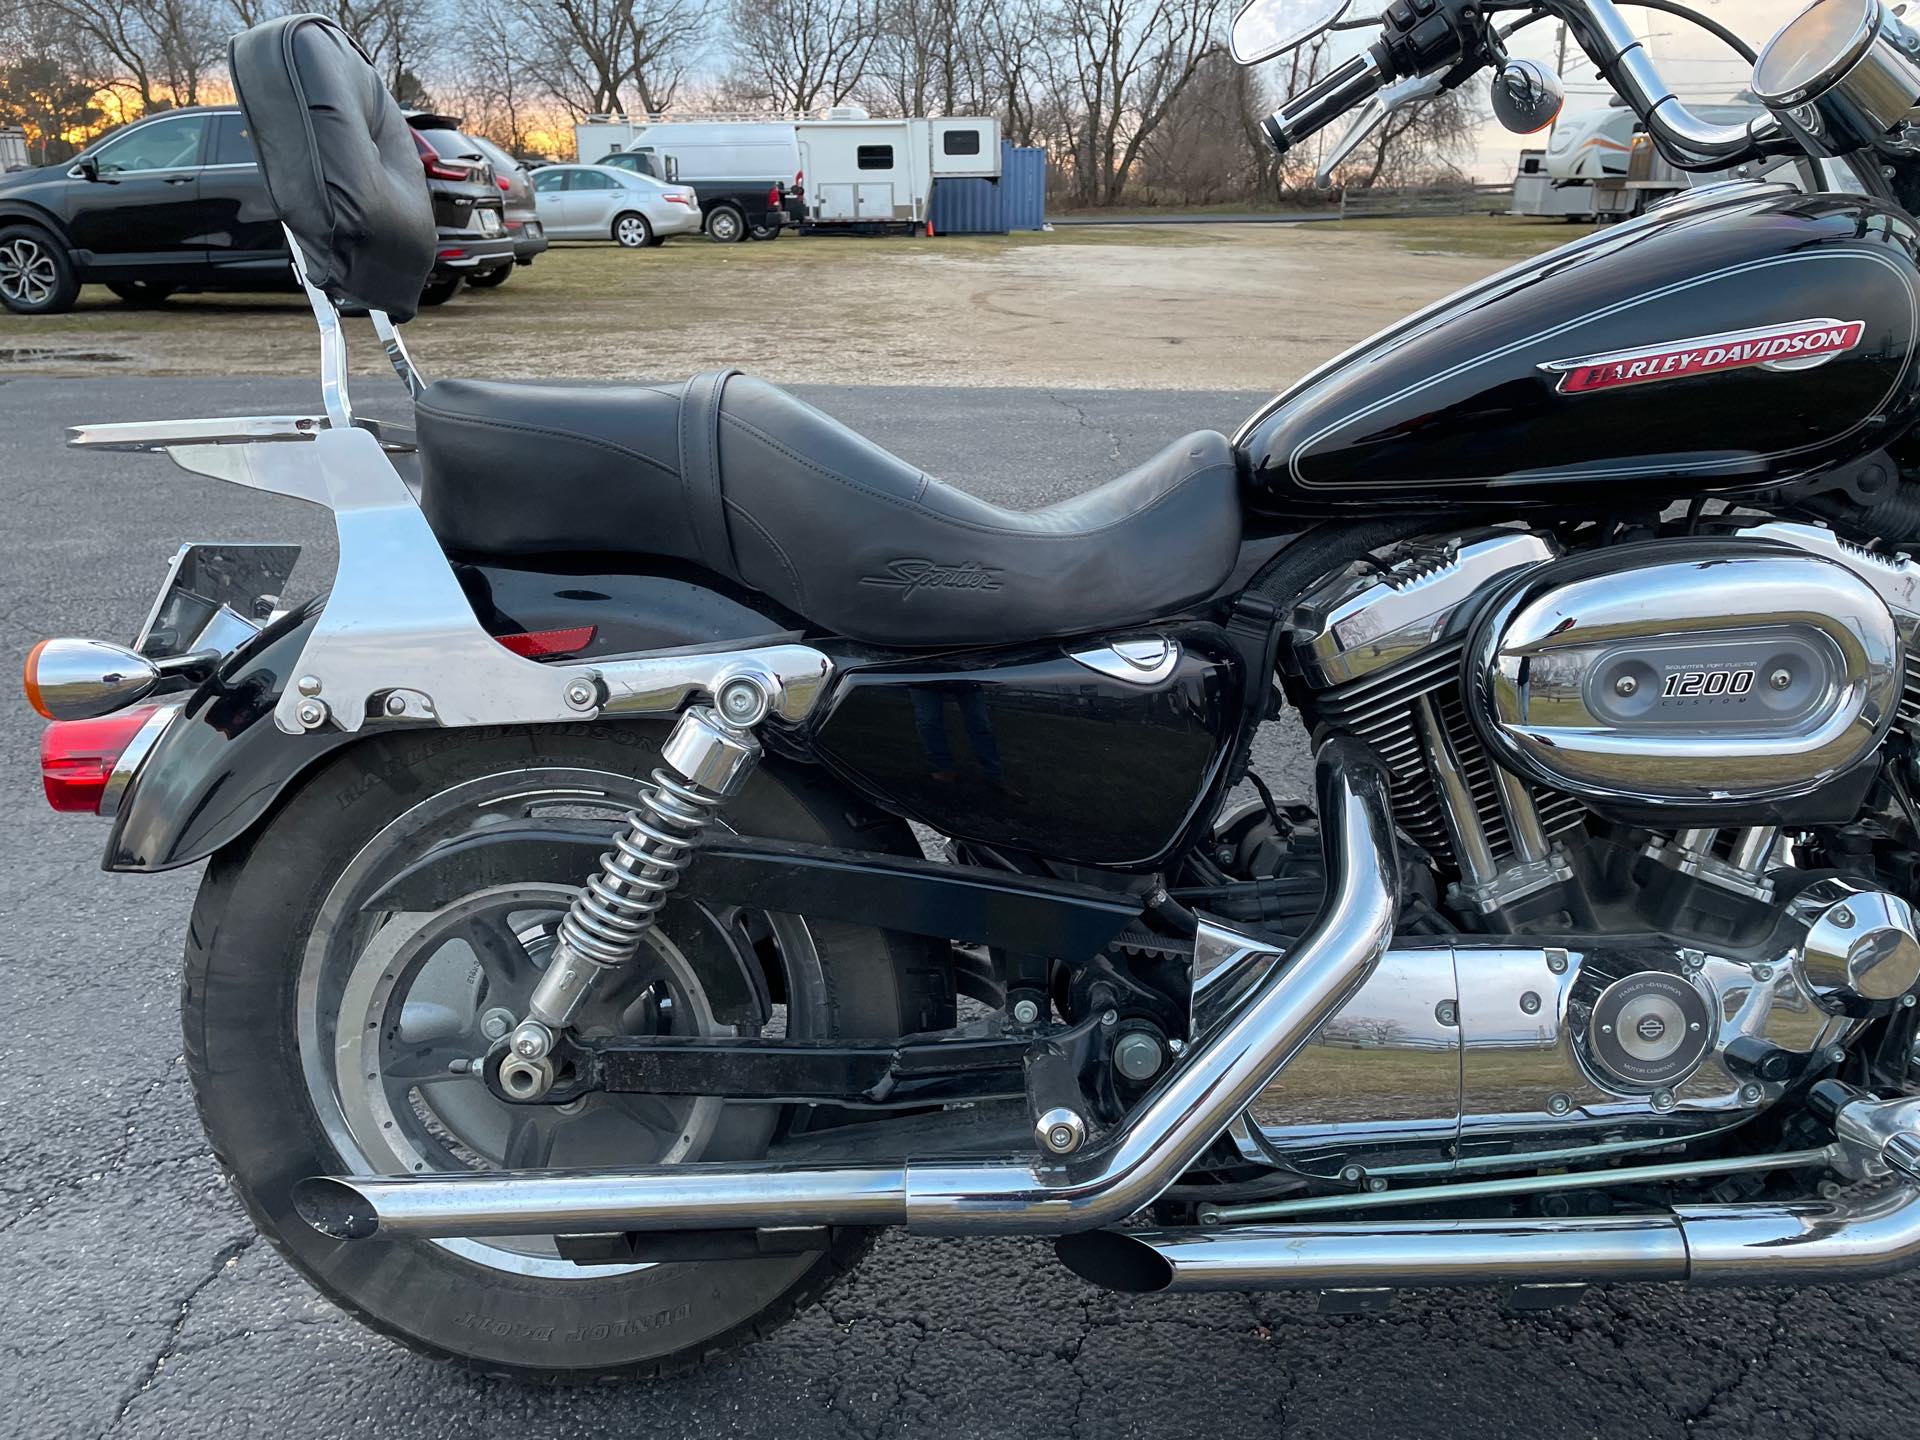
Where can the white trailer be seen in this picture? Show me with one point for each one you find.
(863, 172)
(13, 149)
(1601, 165)
(856, 171)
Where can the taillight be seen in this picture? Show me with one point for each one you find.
(503, 184)
(436, 168)
(538, 644)
(773, 198)
(77, 757)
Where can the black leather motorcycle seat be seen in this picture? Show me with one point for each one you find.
(733, 474)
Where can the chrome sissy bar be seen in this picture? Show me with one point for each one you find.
(397, 641)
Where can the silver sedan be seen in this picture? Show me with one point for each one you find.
(593, 202)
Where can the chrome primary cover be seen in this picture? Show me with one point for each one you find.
(1686, 673)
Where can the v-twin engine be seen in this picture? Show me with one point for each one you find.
(1605, 757)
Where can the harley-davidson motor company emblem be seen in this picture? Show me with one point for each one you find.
(1800, 345)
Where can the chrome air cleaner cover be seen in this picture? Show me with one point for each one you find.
(1686, 673)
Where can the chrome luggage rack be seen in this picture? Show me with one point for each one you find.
(397, 641)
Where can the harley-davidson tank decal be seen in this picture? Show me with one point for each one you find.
(1798, 345)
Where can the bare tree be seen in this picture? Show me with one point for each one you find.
(927, 57)
(802, 54)
(590, 55)
(396, 33)
(1418, 143)
(1127, 63)
(160, 51)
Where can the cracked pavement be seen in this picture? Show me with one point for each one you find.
(137, 1302)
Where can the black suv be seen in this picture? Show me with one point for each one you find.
(176, 202)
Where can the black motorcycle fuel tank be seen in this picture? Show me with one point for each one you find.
(1733, 339)
(1070, 751)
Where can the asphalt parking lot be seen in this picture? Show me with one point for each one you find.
(135, 1301)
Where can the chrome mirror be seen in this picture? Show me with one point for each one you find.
(1527, 96)
(1266, 28)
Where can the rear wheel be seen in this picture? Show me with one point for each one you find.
(321, 1033)
(36, 278)
(141, 292)
(763, 230)
(439, 292)
(726, 225)
(489, 279)
(632, 231)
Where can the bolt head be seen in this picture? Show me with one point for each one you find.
(396, 704)
(1837, 1055)
(1763, 972)
(1663, 1099)
(1060, 1138)
(1626, 685)
(581, 696)
(1843, 917)
(311, 713)
(1352, 1174)
(1530, 1003)
(309, 685)
(1907, 1002)
(1559, 1104)
(1750, 1094)
(1109, 1017)
(1780, 679)
(1025, 1012)
(496, 1023)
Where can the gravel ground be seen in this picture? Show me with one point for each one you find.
(1193, 307)
(137, 1302)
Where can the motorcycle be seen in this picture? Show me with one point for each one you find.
(569, 995)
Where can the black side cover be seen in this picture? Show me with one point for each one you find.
(340, 164)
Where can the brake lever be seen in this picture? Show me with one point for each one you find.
(1372, 116)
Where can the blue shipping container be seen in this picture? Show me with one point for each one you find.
(1016, 201)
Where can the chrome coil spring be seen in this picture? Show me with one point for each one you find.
(608, 919)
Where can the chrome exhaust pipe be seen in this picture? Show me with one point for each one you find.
(1803, 1243)
(1124, 1172)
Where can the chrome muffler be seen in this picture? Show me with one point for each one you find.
(1125, 1171)
(1864, 1236)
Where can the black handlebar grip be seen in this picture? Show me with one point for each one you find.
(1319, 105)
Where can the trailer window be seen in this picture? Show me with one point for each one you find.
(874, 157)
(961, 142)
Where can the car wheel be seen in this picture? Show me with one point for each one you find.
(438, 292)
(36, 278)
(726, 225)
(488, 279)
(141, 292)
(763, 231)
(631, 231)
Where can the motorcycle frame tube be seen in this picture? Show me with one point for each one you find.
(1171, 1129)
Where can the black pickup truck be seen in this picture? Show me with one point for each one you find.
(730, 210)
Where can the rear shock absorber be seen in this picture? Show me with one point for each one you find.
(705, 763)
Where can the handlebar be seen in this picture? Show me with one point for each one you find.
(1688, 141)
(1325, 101)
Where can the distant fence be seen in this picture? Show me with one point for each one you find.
(1016, 201)
(1426, 200)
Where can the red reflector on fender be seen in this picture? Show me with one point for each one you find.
(539, 644)
(77, 757)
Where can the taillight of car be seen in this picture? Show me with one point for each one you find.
(503, 184)
(78, 757)
(773, 198)
(436, 168)
(677, 197)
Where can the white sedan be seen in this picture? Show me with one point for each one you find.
(593, 202)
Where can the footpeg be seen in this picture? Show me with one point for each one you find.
(1055, 1101)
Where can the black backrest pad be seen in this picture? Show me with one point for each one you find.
(338, 160)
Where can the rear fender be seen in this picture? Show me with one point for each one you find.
(224, 764)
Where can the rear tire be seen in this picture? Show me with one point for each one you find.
(726, 225)
(763, 231)
(269, 905)
(141, 292)
(439, 292)
(36, 277)
(631, 231)
(491, 279)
